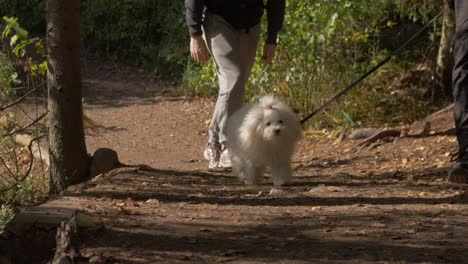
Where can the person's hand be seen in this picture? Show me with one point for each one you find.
(269, 51)
(198, 49)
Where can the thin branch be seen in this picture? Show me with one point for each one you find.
(15, 158)
(19, 100)
(16, 131)
(31, 157)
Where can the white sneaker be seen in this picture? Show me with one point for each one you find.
(225, 159)
(212, 153)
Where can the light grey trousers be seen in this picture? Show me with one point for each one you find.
(233, 51)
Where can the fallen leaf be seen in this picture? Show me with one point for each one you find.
(152, 201)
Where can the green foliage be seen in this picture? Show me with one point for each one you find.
(147, 32)
(20, 191)
(24, 193)
(19, 42)
(150, 32)
(324, 46)
(17, 48)
(6, 214)
(16, 190)
(200, 80)
(8, 78)
(30, 12)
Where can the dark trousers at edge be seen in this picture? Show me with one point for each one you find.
(460, 74)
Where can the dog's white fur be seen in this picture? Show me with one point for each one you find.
(262, 135)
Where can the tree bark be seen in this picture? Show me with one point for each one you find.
(68, 155)
(443, 72)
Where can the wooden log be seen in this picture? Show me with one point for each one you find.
(67, 242)
(31, 236)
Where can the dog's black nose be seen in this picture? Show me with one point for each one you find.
(277, 131)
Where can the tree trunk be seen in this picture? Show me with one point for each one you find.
(443, 72)
(68, 155)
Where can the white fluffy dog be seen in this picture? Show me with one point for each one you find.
(262, 135)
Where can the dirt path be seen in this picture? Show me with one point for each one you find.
(385, 205)
(144, 120)
(389, 204)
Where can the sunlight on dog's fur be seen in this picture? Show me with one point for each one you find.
(262, 135)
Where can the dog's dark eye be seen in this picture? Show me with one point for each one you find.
(268, 124)
(280, 122)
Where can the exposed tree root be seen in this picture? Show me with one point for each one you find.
(392, 133)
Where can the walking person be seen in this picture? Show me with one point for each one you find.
(229, 30)
(459, 172)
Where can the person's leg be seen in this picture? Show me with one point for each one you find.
(459, 173)
(220, 39)
(230, 49)
(248, 42)
(234, 54)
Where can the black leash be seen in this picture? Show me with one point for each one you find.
(365, 75)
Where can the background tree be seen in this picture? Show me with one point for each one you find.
(443, 71)
(68, 155)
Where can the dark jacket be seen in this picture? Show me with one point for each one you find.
(241, 14)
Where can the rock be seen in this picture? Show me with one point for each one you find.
(103, 160)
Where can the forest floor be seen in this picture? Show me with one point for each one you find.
(347, 204)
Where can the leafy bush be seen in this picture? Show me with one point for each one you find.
(323, 47)
(149, 32)
(29, 191)
(6, 214)
(30, 12)
(18, 187)
(8, 78)
(325, 44)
